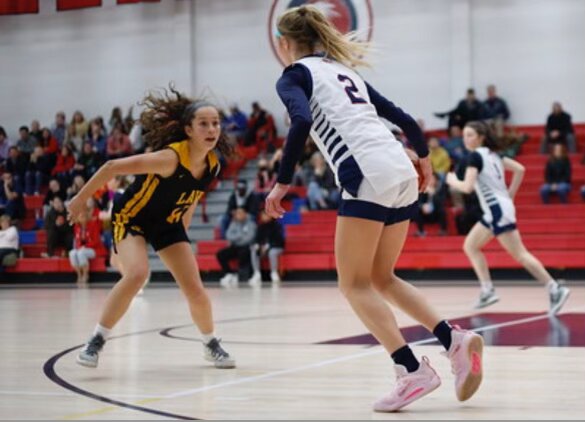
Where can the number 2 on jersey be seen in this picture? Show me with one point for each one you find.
(351, 89)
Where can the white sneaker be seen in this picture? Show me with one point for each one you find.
(486, 298)
(256, 279)
(228, 279)
(274, 276)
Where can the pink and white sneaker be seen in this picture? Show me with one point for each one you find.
(465, 354)
(409, 387)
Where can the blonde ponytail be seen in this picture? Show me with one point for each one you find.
(308, 26)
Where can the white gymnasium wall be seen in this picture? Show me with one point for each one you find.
(534, 50)
(90, 59)
(428, 53)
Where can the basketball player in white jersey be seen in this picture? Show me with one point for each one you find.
(485, 174)
(329, 101)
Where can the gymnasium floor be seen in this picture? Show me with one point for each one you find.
(301, 353)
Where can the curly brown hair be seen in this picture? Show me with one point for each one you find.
(166, 116)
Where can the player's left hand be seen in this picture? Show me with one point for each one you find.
(273, 207)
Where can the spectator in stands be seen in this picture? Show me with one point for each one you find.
(59, 128)
(26, 143)
(240, 198)
(55, 190)
(468, 109)
(38, 172)
(64, 166)
(136, 136)
(97, 138)
(87, 242)
(470, 213)
(241, 234)
(322, 193)
(59, 233)
(11, 200)
(35, 130)
(495, 110)
(559, 130)
(78, 130)
(236, 123)
(269, 242)
(49, 144)
(78, 183)
(439, 157)
(118, 144)
(88, 162)
(454, 144)
(4, 145)
(265, 179)
(116, 119)
(16, 165)
(256, 121)
(557, 175)
(8, 241)
(432, 207)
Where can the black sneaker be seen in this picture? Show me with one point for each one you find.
(213, 352)
(89, 355)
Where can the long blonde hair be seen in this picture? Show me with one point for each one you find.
(307, 26)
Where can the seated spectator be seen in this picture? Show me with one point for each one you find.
(557, 175)
(38, 172)
(241, 234)
(265, 179)
(11, 200)
(236, 123)
(35, 131)
(55, 190)
(8, 241)
(78, 130)
(469, 109)
(88, 163)
(136, 136)
(470, 214)
(118, 144)
(440, 160)
(50, 145)
(240, 198)
(269, 242)
(97, 138)
(432, 207)
(322, 192)
(86, 244)
(559, 130)
(454, 144)
(116, 119)
(494, 107)
(4, 146)
(59, 233)
(63, 169)
(59, 128)
(256, 121)
(16, 164)
(26, 143)
(78, 183)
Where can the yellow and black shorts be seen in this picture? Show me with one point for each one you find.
(158, 235)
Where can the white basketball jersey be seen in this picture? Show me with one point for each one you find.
(491, 187)
(346, 125)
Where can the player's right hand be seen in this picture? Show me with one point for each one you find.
(75, 208)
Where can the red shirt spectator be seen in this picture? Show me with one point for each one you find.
(65, 162)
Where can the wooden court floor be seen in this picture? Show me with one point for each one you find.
(301, 354)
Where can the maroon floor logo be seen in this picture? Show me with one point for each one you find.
(346, 15)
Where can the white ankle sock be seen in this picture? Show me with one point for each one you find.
(207, 337)
(553, 286)
(486, 286)
(101, 330)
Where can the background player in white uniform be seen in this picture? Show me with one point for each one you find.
(328, 100)
(485, 174)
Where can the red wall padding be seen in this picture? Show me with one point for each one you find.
(77, 4)
(13, 7)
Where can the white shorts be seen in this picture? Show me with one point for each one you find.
(392, 206)
(501, 217)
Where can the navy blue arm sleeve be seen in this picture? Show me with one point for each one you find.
(403, 120)
(294, 89)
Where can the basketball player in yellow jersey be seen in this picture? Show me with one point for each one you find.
(157, 209)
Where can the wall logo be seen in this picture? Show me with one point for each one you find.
(346, 15)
